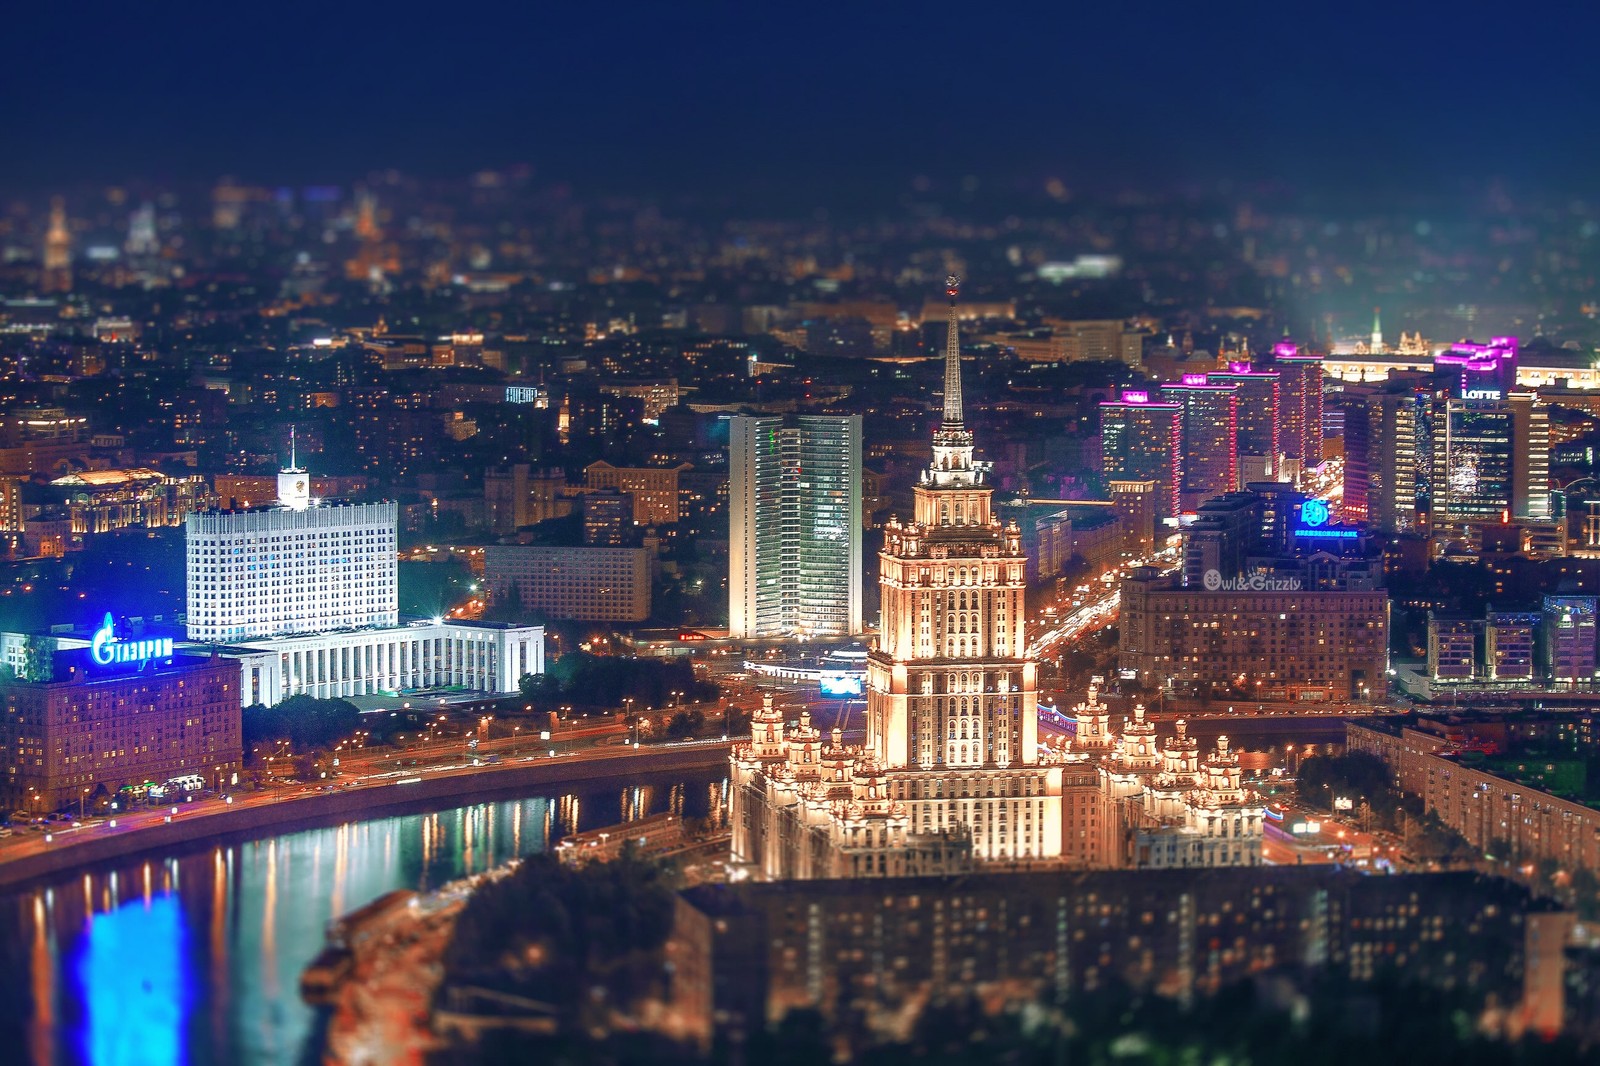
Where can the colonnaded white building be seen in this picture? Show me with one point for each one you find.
(305, 596)
(484, 657)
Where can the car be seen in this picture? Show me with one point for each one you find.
(6, 830)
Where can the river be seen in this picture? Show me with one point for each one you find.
(196, 957)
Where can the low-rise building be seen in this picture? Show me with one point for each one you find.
(1279, 642)
(101, 501)
(488, 657)
(1482, 800)
(116, 714)
(590, 584)
(654, 488)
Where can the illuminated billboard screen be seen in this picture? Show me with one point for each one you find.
(842, 685)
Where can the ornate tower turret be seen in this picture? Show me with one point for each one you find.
(766, 731)
(1094, 722)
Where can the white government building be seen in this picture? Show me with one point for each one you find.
(305, 596)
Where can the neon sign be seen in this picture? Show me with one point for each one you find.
(1314, 513)
(107, 650)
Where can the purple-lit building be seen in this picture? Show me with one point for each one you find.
(1259, 404)
(1210, 437)
(1487, 371)
(1300, 402)
(1142, 440)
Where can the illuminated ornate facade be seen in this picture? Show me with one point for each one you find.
(1160, 803)
(952, 774)
(951, 770)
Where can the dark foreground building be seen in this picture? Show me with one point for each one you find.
(871, 955)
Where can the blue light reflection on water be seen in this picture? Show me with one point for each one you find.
(131, 979)
(196, 958)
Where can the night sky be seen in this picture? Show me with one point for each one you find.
(719, 97)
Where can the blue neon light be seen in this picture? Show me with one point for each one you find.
(106, 649)
(1314, 513)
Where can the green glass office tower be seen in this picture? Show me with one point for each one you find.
(794, 508)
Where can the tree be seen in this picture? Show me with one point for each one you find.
(39, 659)
(1355, 775)
(686, 724)
(1429, 840)
(304, 721)
(584, 680)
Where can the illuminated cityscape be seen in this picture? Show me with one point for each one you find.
(702, 536)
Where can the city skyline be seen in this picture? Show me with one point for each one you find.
(809, 534)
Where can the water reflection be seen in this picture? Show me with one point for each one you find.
(197, 958)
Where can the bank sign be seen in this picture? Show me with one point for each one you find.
(107, 650)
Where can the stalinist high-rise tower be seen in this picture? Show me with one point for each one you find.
(948, 685)
(57, 276)
(950, 774)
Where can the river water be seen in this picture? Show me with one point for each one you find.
(196, 958)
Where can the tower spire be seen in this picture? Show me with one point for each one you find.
(952, 359)
(1377, 330)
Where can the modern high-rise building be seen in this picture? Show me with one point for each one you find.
(1300, 403)
(1142, 440)
(794, 503)
(1483, 371)
(1260, 400)
(1135, 505)
(1472, 462)
(1210, 437)
(1530, 465)
(1387, 456)
(1226, 531)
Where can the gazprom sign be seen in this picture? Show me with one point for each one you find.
(107, 650)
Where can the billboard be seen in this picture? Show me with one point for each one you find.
(841, 684)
